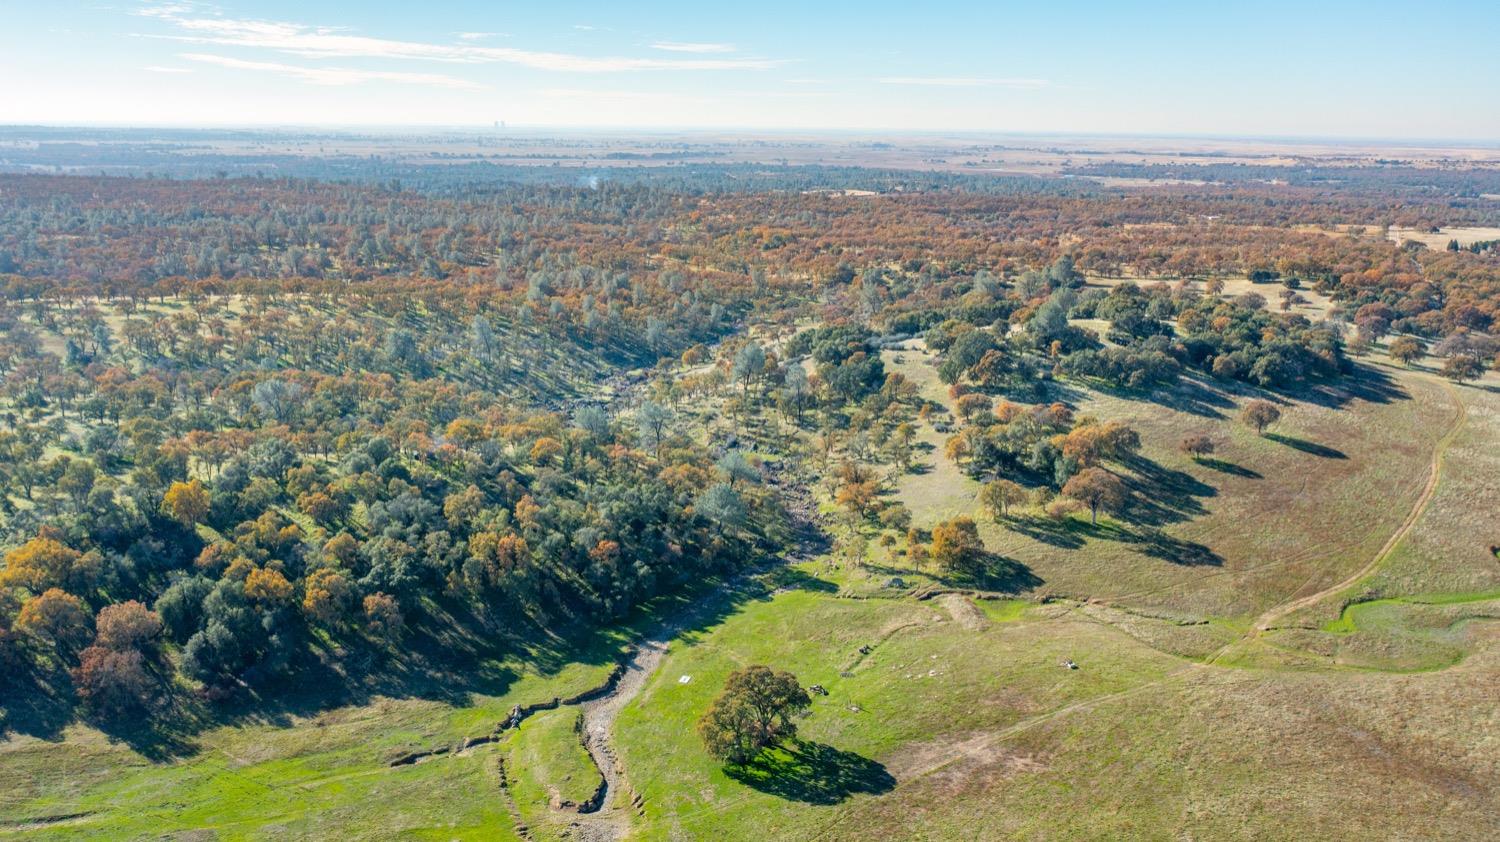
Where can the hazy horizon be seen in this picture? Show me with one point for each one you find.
(1356, 71)
(396, 130)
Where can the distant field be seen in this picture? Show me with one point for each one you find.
(1441, 238)
(1315, 305)
(44, 151)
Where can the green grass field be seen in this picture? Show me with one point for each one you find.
(944, 731)
(929, 684)
(299, 777)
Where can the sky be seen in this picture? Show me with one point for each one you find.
(1267, 69)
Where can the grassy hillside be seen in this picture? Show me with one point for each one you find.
(948, 730)
(1249, 525)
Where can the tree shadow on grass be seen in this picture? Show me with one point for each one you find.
(158, 737)
(43, 704)
(1053, 533)
(35, 703)
(990, 572)
(1071, 533)
(1161, 495)
(1189, 394)
(1060, 391)
(1158, 544)
(812, 773)
(1363, 383)
(1197, 397)
(994, 572)
(792, 578)
(1225, 467)
(1306, 446)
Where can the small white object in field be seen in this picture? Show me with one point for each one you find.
(685, 679)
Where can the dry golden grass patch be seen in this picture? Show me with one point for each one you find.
(1267, 519)
(1228, 754)
(1439, 239)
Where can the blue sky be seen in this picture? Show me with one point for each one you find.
(1322, 69)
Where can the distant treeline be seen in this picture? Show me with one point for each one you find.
(1465, 183)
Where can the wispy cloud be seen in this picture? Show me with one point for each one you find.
(965, 82)
(619, 96)
(477, 36)
(688, 47)
(327, 42)
(333, 76)
(668, 96)
(156, 68)
(165, 10)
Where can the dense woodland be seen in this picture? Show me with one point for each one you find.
(77, 237)
(250, 424)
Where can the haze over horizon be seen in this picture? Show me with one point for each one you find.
(1346, 70)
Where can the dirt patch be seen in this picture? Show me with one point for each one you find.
(964, 611)
(961, 757)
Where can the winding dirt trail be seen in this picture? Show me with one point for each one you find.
(1263, 623)
(610, 820)
(607, 817)
(1267, 620)
(610, 816)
